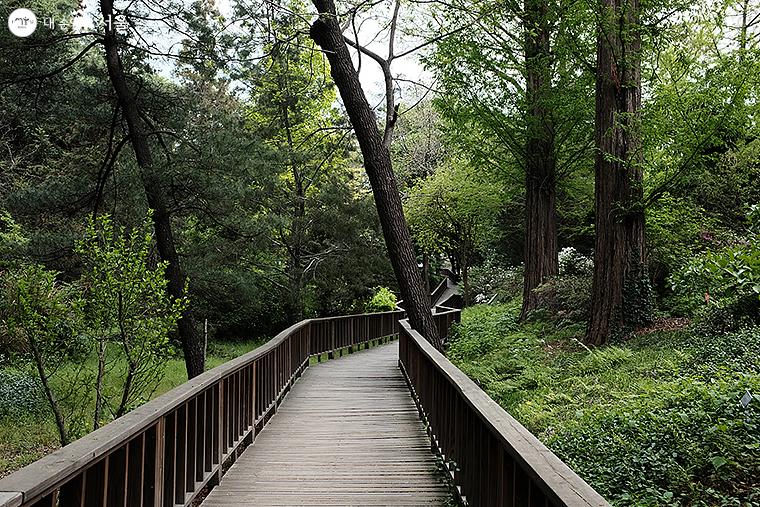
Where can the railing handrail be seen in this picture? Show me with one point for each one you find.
(557, 480)
(51, 470)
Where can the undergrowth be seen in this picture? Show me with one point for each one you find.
(27, 429)
(655, 420)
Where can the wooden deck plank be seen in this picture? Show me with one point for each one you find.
(347, 434)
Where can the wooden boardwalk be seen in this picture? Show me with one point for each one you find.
(347, 434)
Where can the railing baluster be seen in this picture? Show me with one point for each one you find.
(191, 450)
(180, 461)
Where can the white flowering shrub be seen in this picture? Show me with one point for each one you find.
(573, 263)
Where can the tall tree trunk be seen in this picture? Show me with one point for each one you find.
(620, 252)
(540, 160)
(192, 341)
(327, 33)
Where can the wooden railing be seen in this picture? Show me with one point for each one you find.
(172, 449)
(490, 457)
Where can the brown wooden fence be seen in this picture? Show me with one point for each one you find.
(168, 451)
(491, 458)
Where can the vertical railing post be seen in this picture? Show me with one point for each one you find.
(158, 472)
(253, 401)
(222, 429)
(330, 354)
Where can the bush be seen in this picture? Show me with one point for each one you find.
(728, 272)
(571, 262)
(725, 315)
(487, 328)
(384, 300)
(565, 298)
(491, 280)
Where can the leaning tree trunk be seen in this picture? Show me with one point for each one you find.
(540, 161)
(192, 342)
(327, 33)
(620, 253)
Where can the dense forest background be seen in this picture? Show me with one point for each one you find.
(186, 179)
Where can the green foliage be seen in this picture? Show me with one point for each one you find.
(491, 280)
(12, 238)
(41, 313)
(106, 336)
(732, 271)
(485, 330)
(125, 301)
(45, 316)
(384, 300)
(698, 446)
(454, 210)
(654, 421)
(26, 436)
(713, 354)
(125, 290)
(674, 230)
(20, 394)
(722, 286)
(566, 298)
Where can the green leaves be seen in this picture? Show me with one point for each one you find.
(718, 461)
(454, 209)
(382, 301)
(128, 312)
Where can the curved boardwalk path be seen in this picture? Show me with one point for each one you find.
(348, 433)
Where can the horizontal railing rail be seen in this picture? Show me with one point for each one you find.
(490, 457)
(169, 451)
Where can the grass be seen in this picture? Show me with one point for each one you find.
(29, 434)
(653, 420)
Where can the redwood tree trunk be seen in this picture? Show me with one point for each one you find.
(620, 248)
(192, 342)
(327, 33)
(540, 160)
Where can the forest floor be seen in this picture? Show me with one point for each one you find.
(655, 419)
(28, 432)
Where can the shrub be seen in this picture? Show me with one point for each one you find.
(384, 300)
(125, 295)
(494, 281)
(487, 328)
(725, 315)
(674, 230)
(730, 272)
(571, 262)
(566, 298)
